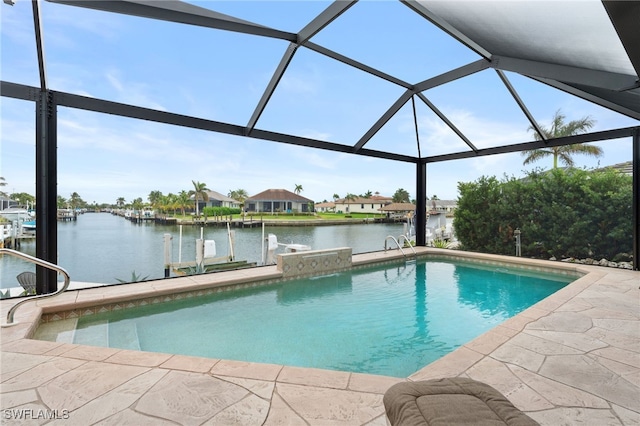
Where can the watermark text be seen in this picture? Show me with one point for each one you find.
(31, 414)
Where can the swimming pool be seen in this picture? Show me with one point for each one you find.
(390, 319)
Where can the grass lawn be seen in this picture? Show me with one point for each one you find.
(292, 217)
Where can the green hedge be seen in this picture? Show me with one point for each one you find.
(561, 213)
(219, 211)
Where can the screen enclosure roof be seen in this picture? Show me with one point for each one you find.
(383, 65)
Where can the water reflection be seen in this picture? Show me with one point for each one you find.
(314, 288)
(421, 299)
(498, 291)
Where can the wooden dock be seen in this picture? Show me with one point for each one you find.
(222, 221)
(12, 238)
(65, 215)
(190, 268)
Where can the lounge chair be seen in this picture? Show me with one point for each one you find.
(450, 401)
(27, 280)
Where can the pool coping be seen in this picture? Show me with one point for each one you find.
(357, 397)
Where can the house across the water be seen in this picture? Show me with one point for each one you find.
(278, 201)
(372, 204)
(216, 199)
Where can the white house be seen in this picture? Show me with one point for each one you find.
(362, 205)
(441, 206)
(216, 199)
(325, 207)
(278, 200)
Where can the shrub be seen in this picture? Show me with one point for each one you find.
(572, 213)
(220, 211)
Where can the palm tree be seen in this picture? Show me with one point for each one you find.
(560, 129)
(154, 197)
(199, 191)
(401, 196)
(75, 200)
(349, 197)
(298, 189)
(137, 204)
(171, 202)
(184, 200)
(335, 197)
(164, 203)
(239, 195)
(61, 202)
(120, 202)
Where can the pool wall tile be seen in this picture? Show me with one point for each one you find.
(308, 263)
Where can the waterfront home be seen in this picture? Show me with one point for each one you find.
(362, 205)
(398, 209)
(325, 207)
(441, 206)
(278, 200)
(216, 199)
(5, 203)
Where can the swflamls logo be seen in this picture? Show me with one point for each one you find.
(31, 414)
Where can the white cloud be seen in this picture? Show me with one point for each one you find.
(134, 93)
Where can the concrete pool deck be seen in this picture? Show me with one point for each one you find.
(572, 358)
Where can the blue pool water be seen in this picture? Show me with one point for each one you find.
(390, 320)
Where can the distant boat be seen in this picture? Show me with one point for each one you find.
(15, 213)
(29, 225)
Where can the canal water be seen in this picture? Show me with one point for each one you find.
(104, 248)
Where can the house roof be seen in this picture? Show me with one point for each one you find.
(375, 199)
(442, 203)
(398, 207)
(328, 205)
(213, 195)
(278, 195)
(626, 167)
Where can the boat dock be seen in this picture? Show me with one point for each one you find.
(144, 216)
(223, 220)
(249, 221)
(67, 215)
(12, 236)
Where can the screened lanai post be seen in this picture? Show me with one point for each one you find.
(636, 199)
(46, 190)
(46, 168)
(421, 204)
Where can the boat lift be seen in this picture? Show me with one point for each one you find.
(205, 256)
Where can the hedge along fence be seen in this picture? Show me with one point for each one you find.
(561, 213)
(219, 211)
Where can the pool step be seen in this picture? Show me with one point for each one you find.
(124, 335)
(96, 335)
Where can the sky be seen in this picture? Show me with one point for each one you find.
(221, 76)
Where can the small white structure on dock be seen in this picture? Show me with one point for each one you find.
(273, 244)
(205, 260)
